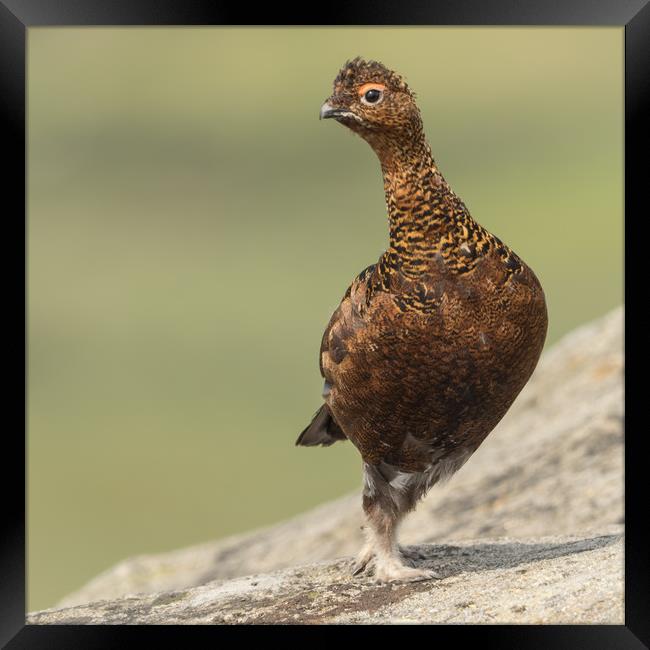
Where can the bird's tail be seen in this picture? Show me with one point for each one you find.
(323, 430)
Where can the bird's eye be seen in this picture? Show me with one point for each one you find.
(372, 96)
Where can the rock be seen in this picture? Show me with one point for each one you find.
(540, 497)
(565, 579)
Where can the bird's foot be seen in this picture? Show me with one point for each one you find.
(392, 570)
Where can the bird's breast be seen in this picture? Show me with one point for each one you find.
(447, 374)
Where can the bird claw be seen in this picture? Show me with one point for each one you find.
(358, 569)
(361, 566)
(364, 562)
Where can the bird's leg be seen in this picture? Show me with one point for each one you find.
(388, 563)
(384, 507)
(365, 560)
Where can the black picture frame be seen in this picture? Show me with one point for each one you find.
(16, 16)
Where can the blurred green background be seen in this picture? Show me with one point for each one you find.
(192, 225)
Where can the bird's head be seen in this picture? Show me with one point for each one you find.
(374, 102)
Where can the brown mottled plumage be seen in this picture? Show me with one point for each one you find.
(429, 346)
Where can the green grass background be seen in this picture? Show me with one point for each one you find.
(192, 225)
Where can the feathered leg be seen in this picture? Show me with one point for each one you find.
(384, 505)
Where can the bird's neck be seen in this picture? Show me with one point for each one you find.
(423, 210)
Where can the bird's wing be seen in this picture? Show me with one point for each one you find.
(323, 429)
(343, 325)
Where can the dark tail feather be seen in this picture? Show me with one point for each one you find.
(323, 430)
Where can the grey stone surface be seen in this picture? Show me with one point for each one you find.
(552, 468)
(566, 579)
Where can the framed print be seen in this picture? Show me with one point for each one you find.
(195, 218)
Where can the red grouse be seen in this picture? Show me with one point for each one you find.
(429, 346)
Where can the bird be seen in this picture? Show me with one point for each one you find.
(429, 346)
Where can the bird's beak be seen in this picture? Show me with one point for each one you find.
(327, 111)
